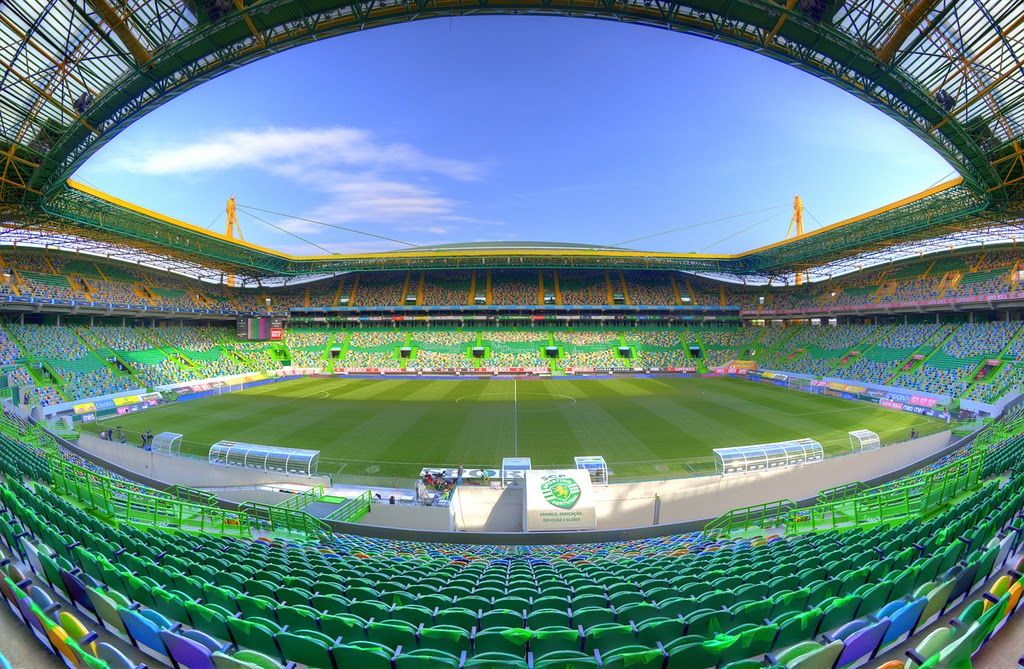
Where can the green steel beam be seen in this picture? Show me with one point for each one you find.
(951, 208)
(214, 48)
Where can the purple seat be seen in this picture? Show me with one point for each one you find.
(186, 653)
(844, 632)
(25, 605)
(862, 643)
(76, 591)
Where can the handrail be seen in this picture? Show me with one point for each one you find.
(746, 517)
(352, 509)
(277, 519)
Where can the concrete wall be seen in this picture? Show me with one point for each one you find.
(706, 497)
(428, 518)
(625, 505)
(192, 472)
(478, 509)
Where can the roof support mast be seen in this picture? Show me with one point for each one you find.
(231, 227)
(796, 229)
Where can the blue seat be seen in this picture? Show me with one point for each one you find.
(144, 631)
(903, 621)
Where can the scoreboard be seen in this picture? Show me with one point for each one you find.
(260, 328)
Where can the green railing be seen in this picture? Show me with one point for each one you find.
(273, 519)
(194, 495)
(121, 501)
(840, 492)
(352, 509)
(300, 501)
(761, 516)
(916, 496)
(139, 508)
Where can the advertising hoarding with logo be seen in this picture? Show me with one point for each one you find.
(558, 499)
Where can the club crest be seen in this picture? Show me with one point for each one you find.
(561, 491)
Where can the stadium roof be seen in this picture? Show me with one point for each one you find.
(77, 72)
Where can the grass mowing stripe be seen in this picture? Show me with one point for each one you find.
(644, 427)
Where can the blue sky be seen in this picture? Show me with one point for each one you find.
(515, 128)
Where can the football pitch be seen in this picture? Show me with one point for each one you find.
(645, 427)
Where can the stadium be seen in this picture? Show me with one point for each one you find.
(222, 454)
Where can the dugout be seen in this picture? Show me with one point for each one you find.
(265, 458)
(761, 457)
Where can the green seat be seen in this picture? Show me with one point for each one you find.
(206, 619)
(750, 642)
(308, 648)
(330, 603)
(564, 660)
(367, 609)
(348, 627)
(839, 611)
(678, 606)
(447, 638)
(707, 622)
(348, 655)
(504, 640)
(636, 612)
(501, 618)
(298, 618)
(608, 637)
(937, 598)
(255, 636)
(225, 597)
(392, 633)
(494, 660)
(935, 641)
(413, 613)
(458, 616)
(823, 658)
(663, 630)
(633, 657)
(787, 601)
(259, 607)
(751, 612)
(592, 615)
(797, 628)
(554, 639)
(692, 655)
(539, 618)
(423, 658)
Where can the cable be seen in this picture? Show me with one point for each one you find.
(330, 225)
(215, 219)
(740, 232)
(697, 225)
(287, 232)
(814, 217)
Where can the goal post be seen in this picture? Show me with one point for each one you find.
(864, 440)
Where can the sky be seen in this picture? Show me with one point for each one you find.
(514, 129)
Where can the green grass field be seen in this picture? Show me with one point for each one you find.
(644, 427)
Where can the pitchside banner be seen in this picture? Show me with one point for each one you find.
(558, 499)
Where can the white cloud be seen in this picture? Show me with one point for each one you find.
(356, 181)
(303, 148)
